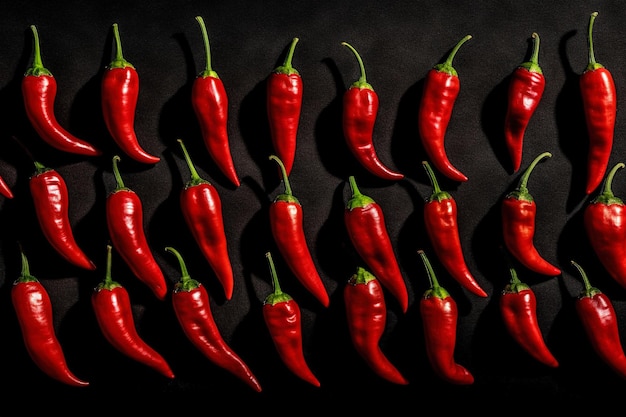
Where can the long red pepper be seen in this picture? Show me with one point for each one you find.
(284, 105)
(366, 313)
(33, 308)
(605, 225)
(39, 89)
(286, 222)
(600, 322)
(360, 107)
(201, 206)
(111, 304)
(284, 322)
(525, 91)
(120, 92)
(440, 219)
(365, 223)
(441, 89)
(210, 104)
(5, 190)
(519, 212)
(439, 319)
(192, 307)
(124, 213)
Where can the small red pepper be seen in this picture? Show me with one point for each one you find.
(524, 94)
(283, 320)
(365, 223)
(518, 225)
(360, 107)
(33, 308)
(367, 317)
(440, 219)
(124, 213)
(192, 307)
(441, 89)
(284, 104)
(210, 103)
(39, 89)
(439, 318)
(600, 106)
(287, 228)
(5, 190)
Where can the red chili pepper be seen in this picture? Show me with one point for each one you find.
(39, 89)
(439, 318)
(441, 89)
(360, 107)
(51, 200)
(605, 224)
(283, 320)
(367, 317)
(201, 206)
(365, 223)
(5, 190)
(120, 92)
(287, 228)
(193, 310)
(524, 94)
(284, 104)
(440, 219)
(518, 225)
(599, 320)
(33, 308)
(124, 212)
(600, 105)
(210, 103)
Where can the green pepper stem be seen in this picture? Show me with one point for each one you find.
(107, 274)
(37, 67)
(287, 67)
(446, 66)
(589, 289)
(119, 61)
(435, 289)
(186, 283)
(608, 182)
(592, 57)
(275, 283)
(208, 70)
(195, 177)
(437, 193)
(533, 64)
(362, 81)
(523, 183)
(116, 172)
(283, 173)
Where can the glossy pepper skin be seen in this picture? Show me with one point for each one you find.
(600, 322)
(39, 89)
(360, 107)
(441, 222)
(599, 99)
(120, 92)
(210, 104)
(605, 224)
(284, 322)
(124, 213)
(201, 206)
(366, 314)
(284, 105)
(525, 91)
(365, 223)
(441, 89)
(439, 318)
(286, 222)
(33, 308)
(192, 307)
(519, 212)
(5, 190)
(51, 201)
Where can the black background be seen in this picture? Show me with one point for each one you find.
(399, 42)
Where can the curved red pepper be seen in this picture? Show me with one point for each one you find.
(39, 89)
(518, 225)
(120, 92)
(440, 219)
(284, 104)
(367, 317)
(600, 106)
(441, 89)
(33, 308)
(124, 213)
(524, 94)
(360, 107)
(283, 320)
(365, 223)
(193, 310)
(439, 318)
(599, 320)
